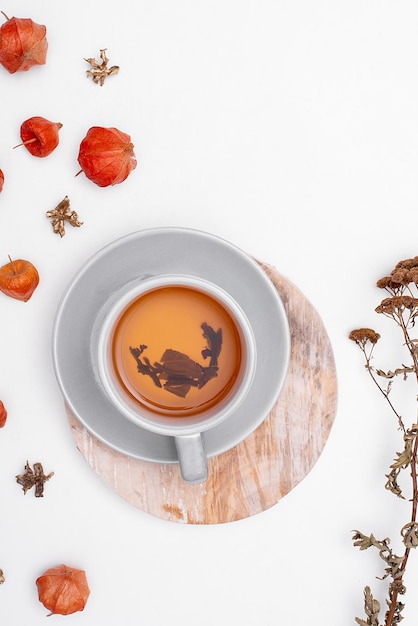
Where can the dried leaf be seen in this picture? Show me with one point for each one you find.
(409, 534)
(100, 71)
(404, 370)
(392, 483)
(403, 459)
(371, 608)
(363, 541)
(175, 362)
(178, 370)
(33, 478)
(62, 214)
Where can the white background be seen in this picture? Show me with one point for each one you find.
(291, 129)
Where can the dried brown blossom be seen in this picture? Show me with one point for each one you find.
(400, 276)
(408, 263)
(62, 214)
(363, 335)
(33, 478)
(99, 71)
(404, 273)
(387, 283)
(2, 578)
(402, 308)
(396, 304)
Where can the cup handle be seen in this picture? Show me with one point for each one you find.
(192, 458)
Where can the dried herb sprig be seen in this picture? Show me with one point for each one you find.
(61, 214)
(99, 70)
(34, 478)
(401, 306)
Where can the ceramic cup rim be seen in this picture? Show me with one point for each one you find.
(191, 424)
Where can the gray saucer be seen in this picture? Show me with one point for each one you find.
(103, 280)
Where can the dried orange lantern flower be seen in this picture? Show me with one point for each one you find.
(18, 279)
(23, 44)
(39, 136)
(106, 156)
(63, 590)
(1, 180)
(3, 414)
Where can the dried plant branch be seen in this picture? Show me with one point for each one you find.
(401, 306)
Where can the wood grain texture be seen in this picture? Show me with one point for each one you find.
(258, 472)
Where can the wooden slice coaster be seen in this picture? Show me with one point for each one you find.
(259, 471)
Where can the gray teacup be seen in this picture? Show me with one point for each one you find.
(188, 432)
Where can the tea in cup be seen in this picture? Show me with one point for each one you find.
(177, 357)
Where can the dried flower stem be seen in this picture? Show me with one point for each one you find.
(402, 307)
(397, 588)
(384, 392)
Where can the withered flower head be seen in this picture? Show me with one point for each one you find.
(404, 276)
(397, 304)
(413, 275)
(408, 263)
(387, 283)
(400, 275)
(404, 273)
(363, 335)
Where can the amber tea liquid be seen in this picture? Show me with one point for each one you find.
(176, 350)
